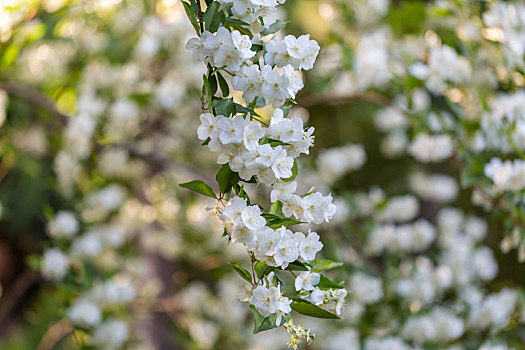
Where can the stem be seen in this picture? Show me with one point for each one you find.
(201, 23)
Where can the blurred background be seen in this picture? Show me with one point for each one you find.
(99, 106)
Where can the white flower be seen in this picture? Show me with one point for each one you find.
(242, 234)
(112, 334)
(84, 313)
(234, 209)
(54, 264)
(253, 132)
(251, 217)
(431, 148)
(281, 163)
(310, 246)
(281, 190)
(307, 280)
(317, 296)
(270, 301)
(366, 289)
(232, 130)
(287, 250)
(267, 240)
(208, 127)
(248, 80)
(89, 245)
(63, 225)
(243, 44)
(297, 47)
(317, 208)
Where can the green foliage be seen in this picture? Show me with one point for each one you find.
(305, 307)
(191, 14)
(325, 284)
(245, 274)
(226, 178)
(324, 264)
(199, 187)
(225, 107)
(213, 17)
(262, 323)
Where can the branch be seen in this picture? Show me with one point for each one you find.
(34, 96)
(14, 295)
(54, 334)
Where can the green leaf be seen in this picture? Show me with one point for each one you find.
(273, 28)
(296, 266)
(325, 283)
(245, 111)
(263, 323)
(257, 47)
(207, 91)
(324, 264)
(199, 187)
(241, 271)
(190, 12)
(226, 178)
(241, 193)
(305, 307)
(272, 142)
(262, 269)
(223, 84)
(213, 17)
(226, 107)
(238, 25)
(213, 84)
(277, 209)
(275, 222)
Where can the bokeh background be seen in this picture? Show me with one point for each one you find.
(125, 62)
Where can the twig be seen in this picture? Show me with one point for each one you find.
(54, 334)
(201, 23)
(33, 96)
(14, 295)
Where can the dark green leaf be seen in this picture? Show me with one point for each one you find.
(297, 266)
(263, 323)
(262, 269)
(223, 84)
(190, 12)
(226, 178)
(257, 47)
(241, 271)
(226, 107)
(199, 187)
(245, 110)
(325, 283)
(278, 222)
(213, 17)
(238, 25)
(305, 307)
(213, 84)
(324, 264)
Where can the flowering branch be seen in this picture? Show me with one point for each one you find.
(253, 151)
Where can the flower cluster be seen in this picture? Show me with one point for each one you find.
(252, 149)
(507, 175)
